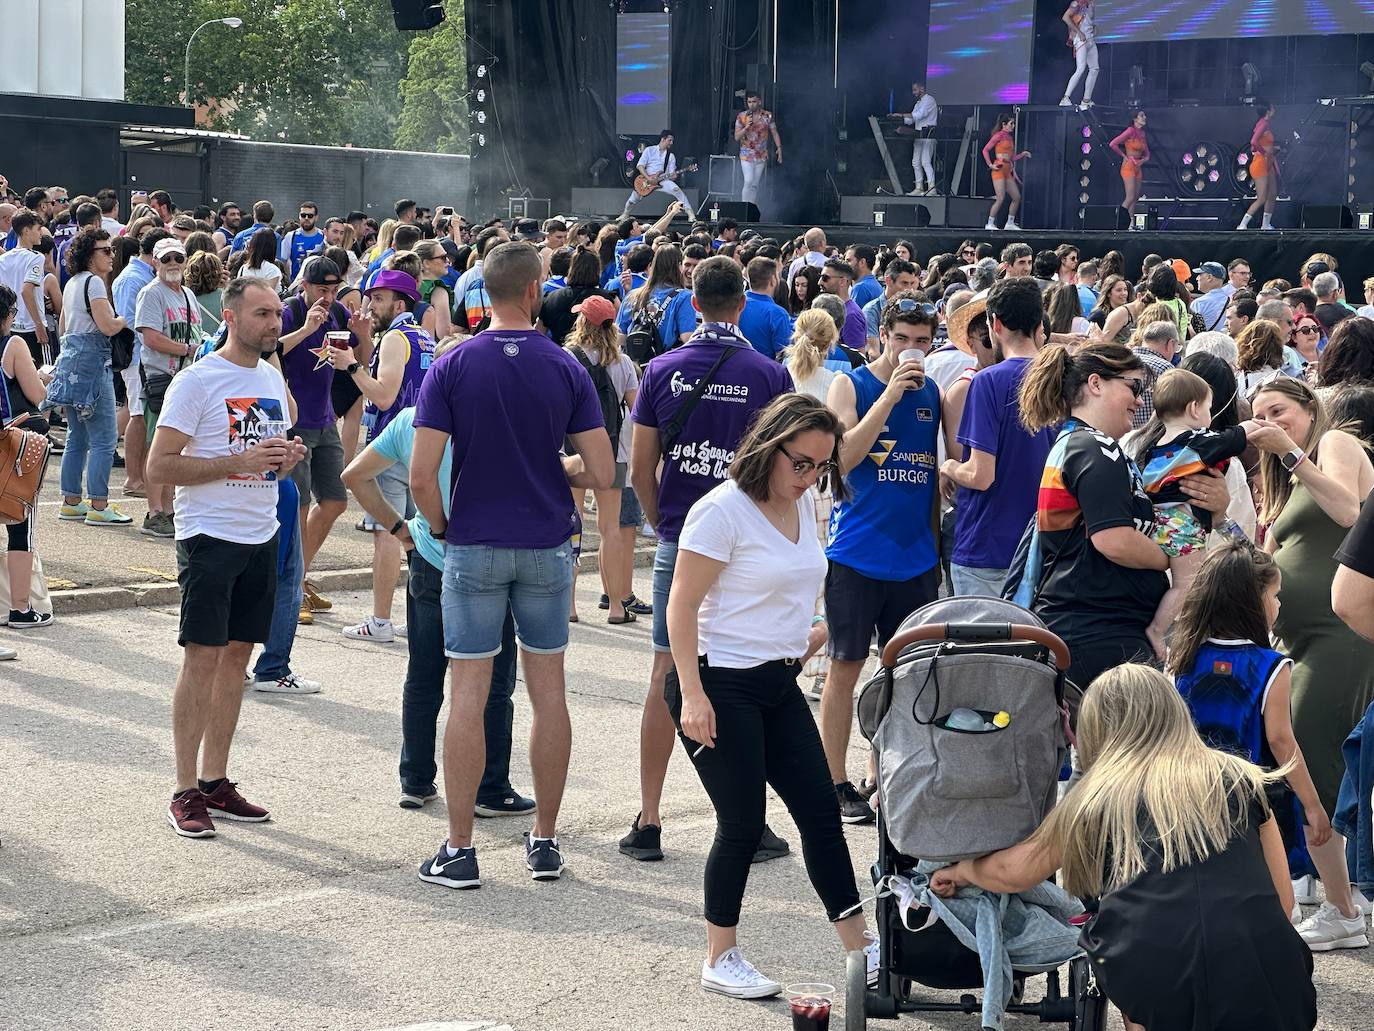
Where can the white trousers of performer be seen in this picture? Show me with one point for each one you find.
(753, 179)
(923, 161)
(1085, 60)
(669, 187)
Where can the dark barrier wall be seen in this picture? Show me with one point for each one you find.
(82, 157)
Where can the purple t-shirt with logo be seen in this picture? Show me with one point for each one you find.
(701, 456)
(989, 523)
(507, 398)
(854, 334)
(307, 369)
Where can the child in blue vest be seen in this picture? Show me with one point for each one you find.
(1237, 689)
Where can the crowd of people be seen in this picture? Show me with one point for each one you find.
(1167, 464)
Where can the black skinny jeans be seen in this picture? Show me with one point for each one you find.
(765, 735)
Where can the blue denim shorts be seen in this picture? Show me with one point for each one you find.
(665, 561)
(630, 512)
(480, 582)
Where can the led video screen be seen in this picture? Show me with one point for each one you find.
(980, 53)
(643, 81)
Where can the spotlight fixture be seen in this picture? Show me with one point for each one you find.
(1252, 82)
(1200, 169)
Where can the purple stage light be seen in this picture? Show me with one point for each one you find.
(1087, 148)
(1087, 132)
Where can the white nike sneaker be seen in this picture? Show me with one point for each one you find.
(1326, 930)
(1305, 890)
(735, 976)
(919, 191)
(991, 225)
(1066, 102)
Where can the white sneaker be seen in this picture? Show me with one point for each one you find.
(991, 225)
(1305, 890)
(370, 630)
(1085, 105)
(1066, 102)
(1326, 929)
(871, 955)
(289, 684)
(400, 630)
(1361, 903)
(919, 191)
(735, 976)
(1011, 224)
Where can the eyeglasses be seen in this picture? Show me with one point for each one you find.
(60, 200)
(804, 466)
(1307, 330)
(168, 259)
(1137, 385)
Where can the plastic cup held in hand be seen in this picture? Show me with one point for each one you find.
(912, 354)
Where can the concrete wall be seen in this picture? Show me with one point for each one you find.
(64, 48)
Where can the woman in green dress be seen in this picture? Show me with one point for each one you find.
(1314, 478)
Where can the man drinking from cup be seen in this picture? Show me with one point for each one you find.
(883, 552)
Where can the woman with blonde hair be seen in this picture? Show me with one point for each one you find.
(594, 342)
(1192, 930)
(1259, 356)
(1314, 479)
(384, 234)
(813, 335)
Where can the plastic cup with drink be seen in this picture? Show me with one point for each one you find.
(338, 338)
(810, 1002)
(913, 354)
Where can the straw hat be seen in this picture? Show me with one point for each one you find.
(957, 324)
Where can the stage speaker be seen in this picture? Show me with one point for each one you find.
(1104, 216)
(903, 216)
(416, 15)
(739, 210)
(1327, 216)
(966, 212)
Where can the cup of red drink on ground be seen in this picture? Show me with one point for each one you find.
(810, 1002)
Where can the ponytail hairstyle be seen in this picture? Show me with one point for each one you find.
(812, 338)
(1173, 393)
(1056, 377)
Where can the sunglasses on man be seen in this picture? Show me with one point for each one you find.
(168, 259)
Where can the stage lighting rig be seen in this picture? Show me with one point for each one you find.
(1252, 82)
(1201, 171)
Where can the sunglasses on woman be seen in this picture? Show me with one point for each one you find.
(1137, 385)
(1307, 330)
(804, 466)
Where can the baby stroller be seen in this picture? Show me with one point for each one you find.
(948, 793)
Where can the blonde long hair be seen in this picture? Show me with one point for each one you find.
(812, 337)
(1156, 311)
(1277, 481)
(602, 339)
(1142, 754)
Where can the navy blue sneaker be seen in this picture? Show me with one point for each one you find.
(638, 607)
(510, 804)
(458, 871)
(543, 858)
(415, 798)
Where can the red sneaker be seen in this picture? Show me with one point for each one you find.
(188, 816)
(225, 801)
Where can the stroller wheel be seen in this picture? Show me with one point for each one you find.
(1018, 990)
(855, 986)
(1089, 1004)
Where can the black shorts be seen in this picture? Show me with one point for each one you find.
(344, 394)
(856, 605)
(227, 590)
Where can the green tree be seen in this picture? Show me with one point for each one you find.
(434, 115)
(325, 72)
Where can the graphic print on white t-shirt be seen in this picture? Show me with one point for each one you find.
(251, 420)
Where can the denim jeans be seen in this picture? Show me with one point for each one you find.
(423, 693)
(483, 586)
(90, 445)
(275, 660)
(969, 581)
(1353, 817)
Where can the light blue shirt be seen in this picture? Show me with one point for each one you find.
(395, 442)
(1212, 306)
(125, 290)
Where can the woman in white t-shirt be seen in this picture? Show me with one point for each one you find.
(741, 626)
(594, 335)
(261, 262)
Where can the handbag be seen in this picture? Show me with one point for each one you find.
(23, 463)
(121, 344)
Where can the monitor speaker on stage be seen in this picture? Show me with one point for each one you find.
(1104, 217)
(1327, 216)
(966, 212)
(903, 216)
(739, 210)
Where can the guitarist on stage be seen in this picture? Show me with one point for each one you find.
(659, 164)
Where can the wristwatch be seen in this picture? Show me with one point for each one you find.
(353, 367)
(438, 535)
(1292, 459)
(399, 523)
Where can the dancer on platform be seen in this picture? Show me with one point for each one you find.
(1134, 150)
(1078, 16)
(1264, 169)
(1000, 155)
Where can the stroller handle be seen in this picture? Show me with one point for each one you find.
(977, 632)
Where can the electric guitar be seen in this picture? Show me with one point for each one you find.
(647, 184)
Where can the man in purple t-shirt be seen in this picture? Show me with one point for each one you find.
(506, 399)
(306, 322)
(999, 476)
(837, 278)
(693, 463)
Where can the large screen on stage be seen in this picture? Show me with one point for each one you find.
(643, 82)
(980, 53)
(1121, 21)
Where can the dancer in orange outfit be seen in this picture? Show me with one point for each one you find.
(1134, 150)
(1264, 169)
(1000, 155)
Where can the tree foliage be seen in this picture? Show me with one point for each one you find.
(325, 72)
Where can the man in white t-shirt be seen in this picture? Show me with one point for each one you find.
(21, 269)
(221, 440)
(1078, 16)
(660, 161)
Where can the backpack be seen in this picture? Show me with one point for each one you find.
(476, 305)
(645, 338)
(612, 404)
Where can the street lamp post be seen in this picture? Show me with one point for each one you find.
(233, 23)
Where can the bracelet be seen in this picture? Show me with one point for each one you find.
(399, 523)
(817, 619)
